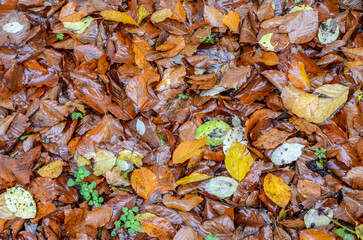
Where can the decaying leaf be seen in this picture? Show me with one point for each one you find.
(287, 153)
(231, 20)
(20, 202)
(298, 76)
(222, 187)
(238, 161)
(52, 170)
(215, 130)
(235, 134)
(13, 27)
(133, 157)
(313, 234)
(80, 26)
(265, 41)
(277, 190)
(318, 217)
(315, 107)
(104, 161)
(328, 31)
(158, 227)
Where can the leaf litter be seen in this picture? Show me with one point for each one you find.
(265, 142)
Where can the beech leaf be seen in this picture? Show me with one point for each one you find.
(52, 170)
(238, 161)
(188, 149)
(113, 15)
(194, 177)
(20, 202)
(222, 187)
(277, 190)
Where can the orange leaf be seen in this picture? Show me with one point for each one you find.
(269, 58)
(188, 149)
(178, 12)
(277, 190)
(98, 217)
(231, 20)
(43, 209)
(158, 227)
(298, 76)
(144, 182)
(313, 234)
(187, 203)
(141, 48)
(113, 15)
(102, 64)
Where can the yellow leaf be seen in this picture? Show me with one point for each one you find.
(81, 160)
(104, 161)
(238, 161)
(113, 15)
(188, 149)
(194, 177)
(231, 20)
(277, 190)
(161, 15)
(143, 13)
(52, 170)
(141, 48)
(317, 107)
(133, 157)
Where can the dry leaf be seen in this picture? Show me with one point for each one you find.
(317, 107)
(238, 161)
(188, 149)
(277, 190)
(52, 170)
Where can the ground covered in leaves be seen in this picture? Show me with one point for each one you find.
(181, 119)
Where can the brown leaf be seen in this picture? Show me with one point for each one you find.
(141, 48)
(235, 77)
(98, 217)
(298, 76)
(43, 210)
(249, 217)
(213, 16)
(172, 78)
(186, 203)
(158, 227)
(271, 139)
(186, 233)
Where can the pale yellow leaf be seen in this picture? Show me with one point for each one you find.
(52, 170)
(194, 177)
(161, 15)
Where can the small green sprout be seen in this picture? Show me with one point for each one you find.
(211, 237)
(77, 115)
(80, 175)
(90, 195)
(126, 173)
(185, 168)
(12, 155)
(127, 220)
(183, 96)
(237, 88)
(320, 153)
(206, 39)
(360, 95)
(162, 138)
(45, 140)
(60, 36)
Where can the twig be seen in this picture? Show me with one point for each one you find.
(289, 9)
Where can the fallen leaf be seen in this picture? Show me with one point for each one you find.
(144, 182)
(188, 149)
(104, 161)
(328, 31)
(133, 157)
(141, 48)
(235, 77)
(313, 234)
(317, 107)
(143, 13)
(298, 76)
(277, 190)
(287, 153)
(52, 170)
(5, 212)
(238, 161)
(186, 203)
(158, 227)
(271, 138)
(20, 202)
(318, 217)
(231, 20)
(161, 15)
(222, 187)
(236, 134)
(113, 15)
(43, 210)
(215, 130)
(98, 217)
(265, 41)
(79, 26)
(194, 177)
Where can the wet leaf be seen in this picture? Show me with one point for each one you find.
(5, 212)
(52, 170)
(271, 138)
(194, 177)
(313, 234)
(98, 217)
(13, 27)
(317, 107)
(277, 190)
(112, 15)
(215, 130)
(158, 227)
(133, 157)
(222, 187)
(80, 26)
(238, 161)
(265, 41)
(328, 31)
(143, 13)
(186, 203)
(188, 149)
(231, 20)
(318, 217)
(298, 76)
(161, 15)
(20, 202)
(236, 134)
(104, 161)
(287, 153)
(141, 48)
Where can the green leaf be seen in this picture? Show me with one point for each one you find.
(123, 218)
(340, 232)
(131, 231)
(80, 26)
(215, 130)
(77, 115)
(90, 203)
(127, 224)
(348, 237)
(71, 182)
(125, 210)
(135, 209)
(22, 137)
(60, 36)
(118, 224)
(113, 233)
(137, 224)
